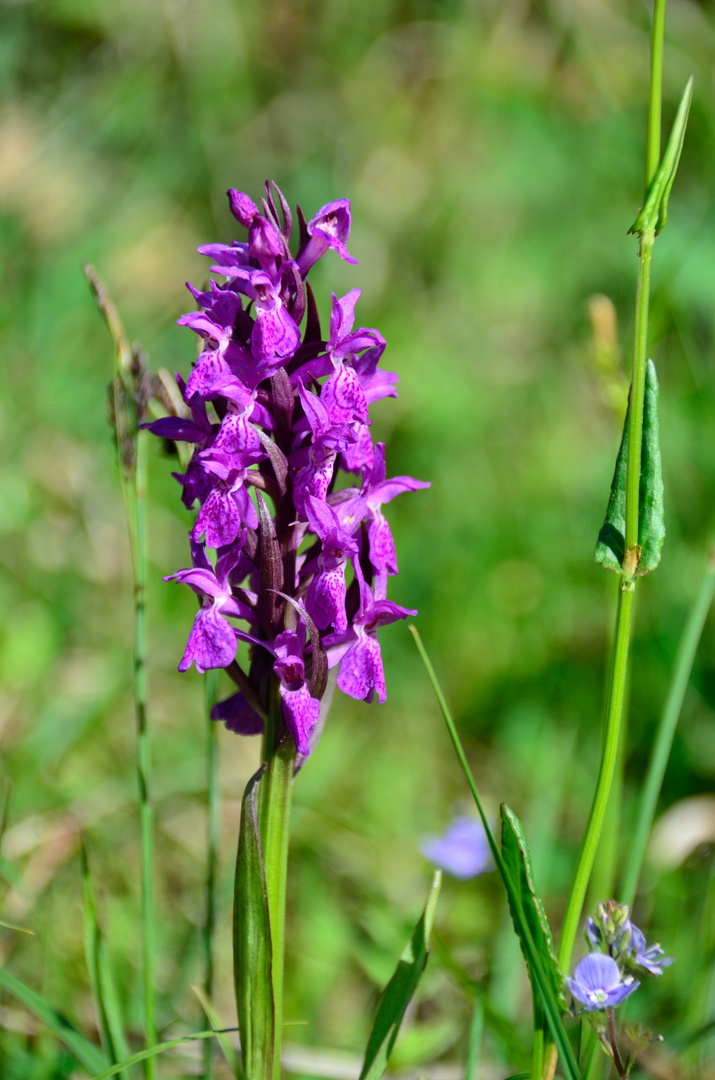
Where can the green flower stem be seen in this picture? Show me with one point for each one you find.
(619, 662)
(210, 688)
(666, 730)
(609, 757)
(274, 820)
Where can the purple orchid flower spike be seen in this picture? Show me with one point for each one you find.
(212, 640)
(300, 710)
(357, 649)
(598, 984)
(267, 429)
(462, 851)
(325, 599)
(329, 228)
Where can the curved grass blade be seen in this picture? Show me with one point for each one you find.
(476, 1029)
(549, 1002)
(158, 1048)
(610, 547)
(86, 1052)
(252, 946)
(105, 998)
(663, 741)
(400, 990)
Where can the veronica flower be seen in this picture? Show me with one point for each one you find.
(463, 849)
(598, 983)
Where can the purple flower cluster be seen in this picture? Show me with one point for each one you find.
(606, 976)
(274, 413)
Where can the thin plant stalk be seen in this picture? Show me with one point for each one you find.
(609, 757)
(626, 590)
(274, 819)
(128, 403)
(213, 828)
(146, 811)
(666, 731)
(626, 587)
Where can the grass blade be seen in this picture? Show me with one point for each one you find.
(86, 1052)
(550, 1005)
(159, 1048)
(666, 730)
(400, 990)
(105, 999)
(655, 212)
(476, 1029)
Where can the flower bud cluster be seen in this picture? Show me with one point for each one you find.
(274, 413)
(618, 954)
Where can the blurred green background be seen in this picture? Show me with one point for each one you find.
(493, 152)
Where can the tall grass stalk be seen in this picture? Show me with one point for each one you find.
(128, 402)
(666, 731)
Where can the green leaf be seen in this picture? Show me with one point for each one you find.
(252, 949)
(106, 1002)
(400, 990)
(651, 516)
(541, 983)
(86, 1052)
(655, 211)
(518, 861)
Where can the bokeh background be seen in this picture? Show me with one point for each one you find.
(493, 152)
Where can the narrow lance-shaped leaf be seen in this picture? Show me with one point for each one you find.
(252, 950)
(518, 861)
(400, 990)
(655, 212)
(651, 515)
(549, 1002)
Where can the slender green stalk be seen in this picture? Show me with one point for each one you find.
(146, 812)
(666, 730)
(210, 689)
(609, 756)
(274, 818)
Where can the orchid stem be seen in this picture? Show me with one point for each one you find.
(210, 687)
(274, 819)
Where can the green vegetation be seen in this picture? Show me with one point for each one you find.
(493, 151)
